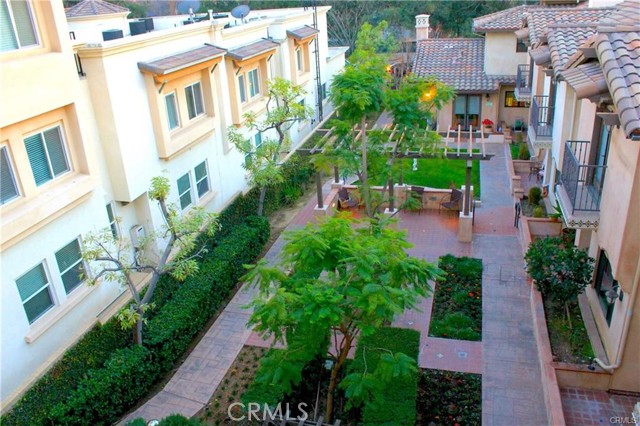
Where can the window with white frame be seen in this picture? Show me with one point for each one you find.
(184, 191)
(202, 179)
(241, 87)
(17, 29)
(172, 111)
(70, 265)
(195, 104)
(7, 178)
(299, 60)
(256, 141)
(113, 223)
(35, 291)
(47, 155)
(254, 83)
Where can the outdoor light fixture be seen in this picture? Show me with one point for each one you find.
(612, 294)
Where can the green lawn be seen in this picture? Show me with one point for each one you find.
(437, 173)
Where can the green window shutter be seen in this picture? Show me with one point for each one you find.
(70, 265)
(7, 35)
(172, 111)
(34, 292)
(38, 159)
(55, 148)
(7, 180)
(24, 23)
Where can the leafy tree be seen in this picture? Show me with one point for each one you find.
(112, 258)
(263, 162)
(339, 280)
(560, 270)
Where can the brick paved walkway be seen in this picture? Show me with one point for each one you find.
(584, 407)
(506, 357)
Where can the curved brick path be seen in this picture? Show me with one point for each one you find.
(506, 357)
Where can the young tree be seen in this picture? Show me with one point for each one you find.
(111, 258)
(262, 162)
(560, 270)
(338, 280)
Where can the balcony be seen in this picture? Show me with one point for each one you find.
(541, 122)
(580, 186)
(523, 86)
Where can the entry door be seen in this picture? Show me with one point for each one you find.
(466, 111)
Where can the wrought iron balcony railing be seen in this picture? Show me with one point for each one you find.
(581, 181)
(523, 88)
(541, 116)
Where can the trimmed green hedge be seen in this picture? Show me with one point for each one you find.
(177, 316)
(399, 397)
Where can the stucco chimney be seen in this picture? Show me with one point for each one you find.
(422, 27)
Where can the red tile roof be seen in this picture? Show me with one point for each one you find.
(504, 20)
(458, 63)
(564, 40)
(539, 20)
(94, 7)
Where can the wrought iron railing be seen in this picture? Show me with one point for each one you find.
(523, 88)
(581, 181)
(541, 116)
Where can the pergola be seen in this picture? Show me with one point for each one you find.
(449, 148)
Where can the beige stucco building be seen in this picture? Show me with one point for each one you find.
(94, 106)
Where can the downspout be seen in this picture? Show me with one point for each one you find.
(625, 328)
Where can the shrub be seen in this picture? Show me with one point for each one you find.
(535, 195)
(400, 393)
(523, 151)
(454, 325)
(99, 399)
(178, 420)
(538, 212)
(449, 398)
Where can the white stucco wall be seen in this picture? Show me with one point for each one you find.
(500, 53)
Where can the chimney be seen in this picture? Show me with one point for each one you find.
(422, 27)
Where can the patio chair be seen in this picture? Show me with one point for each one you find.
(345, 201)
(416, 192)
(454, 203)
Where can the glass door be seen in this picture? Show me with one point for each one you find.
(466, 111)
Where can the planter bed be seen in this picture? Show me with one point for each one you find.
(449, 398)
(570, 345)
(457, 301)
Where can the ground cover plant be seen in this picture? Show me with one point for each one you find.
(457, 304)
(449, 398)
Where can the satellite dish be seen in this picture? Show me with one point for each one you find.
(240, 12)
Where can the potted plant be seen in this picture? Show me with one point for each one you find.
(487, 124)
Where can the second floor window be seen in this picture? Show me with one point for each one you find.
(195, 104)
(70, 265)
(16, 26)
(7, 178)
(47, 155)
(254, 83)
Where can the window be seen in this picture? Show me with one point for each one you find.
(113, 223)
(257, 139)
(184, 191)
(323, 90)
(47, 155)
(7, 179)
(70, 265)
(243, 93)
(195, 105)
(605, 282)
(35, 292)
(17, 30)
(202, 179)
(301, 103)
(299, 63)
(521, 47)
(510, 100)
(254, 83)
(172, 111)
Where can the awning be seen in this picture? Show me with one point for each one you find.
(302, 33)
(253, 50)
(173, 66)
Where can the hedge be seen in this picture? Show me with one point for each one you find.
(399, 396)
(228, 250)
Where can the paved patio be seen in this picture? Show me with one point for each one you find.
(506, 357)
(584, 407)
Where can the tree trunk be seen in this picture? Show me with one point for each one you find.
(137, 336)
(333, 381)
(263, 193)
(566, 309)
(364, 184)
